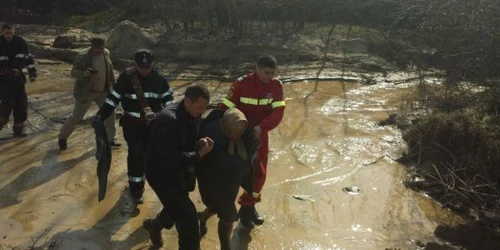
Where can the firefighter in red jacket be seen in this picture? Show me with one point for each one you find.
(259, 95)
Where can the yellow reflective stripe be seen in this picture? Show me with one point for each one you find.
(228, 103)
(265, 101)
(254, 195)
(278, 104)
(253, 101)
(249, 101)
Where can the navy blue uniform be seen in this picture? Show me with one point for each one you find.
(171, 156)
(136, 128)
(14, 56)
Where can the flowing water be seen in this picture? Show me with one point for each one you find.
(329, 139)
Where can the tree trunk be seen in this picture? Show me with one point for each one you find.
(222, 13)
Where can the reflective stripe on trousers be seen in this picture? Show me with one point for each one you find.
(136, 179)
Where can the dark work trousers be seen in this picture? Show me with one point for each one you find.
(137, 138)
(171, 189)
(13, 97)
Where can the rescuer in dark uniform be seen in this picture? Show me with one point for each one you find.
(14, 56)
(142, 91)
(173, 155)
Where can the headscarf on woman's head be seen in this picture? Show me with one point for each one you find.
(233, 125)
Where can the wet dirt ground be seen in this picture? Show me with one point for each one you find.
(328, 140)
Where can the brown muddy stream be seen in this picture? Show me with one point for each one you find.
(329, 139)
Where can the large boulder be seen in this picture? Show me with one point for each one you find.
(126, 38)
(64, 42)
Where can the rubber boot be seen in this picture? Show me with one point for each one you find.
(18, 129)
(165, 219)
(245, 215)
(256, 217)
(136, 190)
(203, 218)
(154, 227)
(225, 230)
(63, 144)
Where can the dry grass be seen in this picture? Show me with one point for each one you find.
(455, 147)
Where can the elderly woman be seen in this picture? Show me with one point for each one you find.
(225, 169)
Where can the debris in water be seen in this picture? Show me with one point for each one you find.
(420, 243)
(351, 190)
(303, 197)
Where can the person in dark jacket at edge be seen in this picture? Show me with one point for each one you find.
(143, 91)
(173, 154)
(14, 56)
(225, 169)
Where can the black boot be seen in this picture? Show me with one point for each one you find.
(136, 190)
(63, 144)
(245, 215)
(166, 219)
(203, 218)
(154, 227)
(137, 198)
(18, 129)
(256, 217)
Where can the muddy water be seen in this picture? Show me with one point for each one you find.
(328, 140)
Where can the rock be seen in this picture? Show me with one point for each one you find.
(353, 190)
(126, 38)
(302, 197)
(66, 55)
(391, 120)
(64, 42)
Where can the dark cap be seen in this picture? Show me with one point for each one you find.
(97, 41)
(144, 58)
